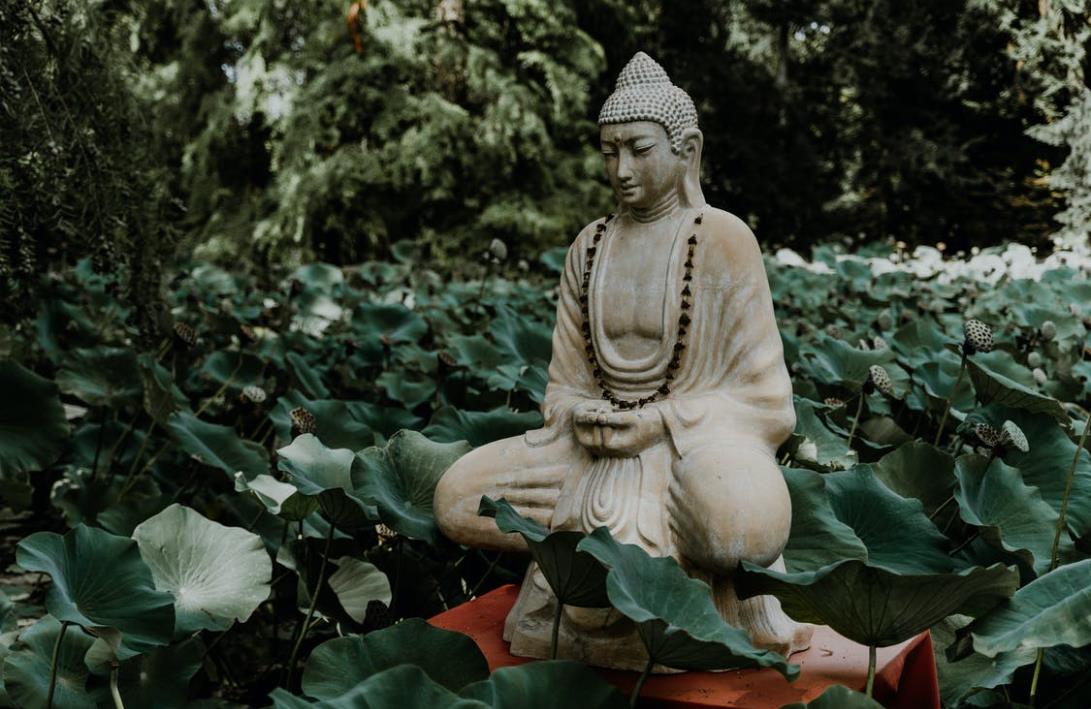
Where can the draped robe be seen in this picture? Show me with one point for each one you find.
(709, 493)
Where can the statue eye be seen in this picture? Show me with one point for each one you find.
(609, 153)
(642, 149)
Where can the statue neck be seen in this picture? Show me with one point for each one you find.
(657, 211)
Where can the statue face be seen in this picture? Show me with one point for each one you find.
(639, 162)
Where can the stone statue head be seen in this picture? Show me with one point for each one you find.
(649, 138)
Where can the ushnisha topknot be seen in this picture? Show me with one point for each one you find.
(644, 92)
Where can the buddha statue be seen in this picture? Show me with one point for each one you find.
(667, 399)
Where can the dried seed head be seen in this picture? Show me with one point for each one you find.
(498, 249)
(989, 436)
(1048, 330)
(1014, 436)
(834, 401)
(884, 321)
(879, 344)
(881, 379)
(1034, 360)
(1040, 376)
(979, 337)
(185, 334)
(254, 394)
(303, 421)
(385, 533)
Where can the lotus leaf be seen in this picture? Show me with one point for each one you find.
(101, 583)
(356, 584)
(450, 659)
(101, 376)
(958, 680)
(401, 477)
(558, 684)
(401, 687)
(162, 397)
(326, 474)
(383, 419)
(392, 321)
(576, 577)
(673, 613)
(813, 444)
(216, 574)
(838, 697)
(918, 470)
(994, 387)
(280, 498)
(27, 668)
(234, 369)
(306, 376)
(1054, 609)
(835, 362)
(320, 276)
(522, 339)
(218, 446)
(411, 392)
(449, 425)
(817, 537)
(1010, 515)
(33, 429)
(874, 606)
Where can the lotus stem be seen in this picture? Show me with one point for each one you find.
(314, 604)
(1037, 671)
(53, 665)
(947, 401)
(856, 419)
(640, 682)
(114, 691)
(221, 390)
(98, 446)
(556, 630)
(871, 658)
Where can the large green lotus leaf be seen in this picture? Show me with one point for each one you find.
(449, 424)
(27, 667)
(101, 376)
(216, 574)
(476, 353)
(814, 445)
(864, 504)
(401, 477)
(411, 391)
(993, 386)
(674, 614)
(162, 397)
(401, 687)
(958, 680)
(101, 583)
(874, 606)
(1054, 609)
(838, 697)
(836, 362)
(556, 684)
(817, 537)
(576, 577)
(1009, 514)
(356, 584)
(384, 419)
(82, 497)
(521, 338)
(306, 376)
(920, 341)
(280, 498)
(937, 378)
(1047, 463)
(450, 659)
(218, 446)
(234, 369)
(320, 276)
(33, 429)
(918, 470)
(392, 321)
(336, 424)
(326, 475)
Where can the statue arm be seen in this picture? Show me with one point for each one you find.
(570, 379)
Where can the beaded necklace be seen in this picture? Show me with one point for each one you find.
(684, 320)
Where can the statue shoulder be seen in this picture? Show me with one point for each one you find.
(730, 236)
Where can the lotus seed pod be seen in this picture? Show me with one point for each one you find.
(834, 401)
(303, 421)
(881, 379)
(1014, 436)
(385, 533)
(1040, 376)
(254, 394)
(185, 334)
(879, 344)
(1034, 360)
(979, 337)
(523, 265)
(1048, 330)
(884, 321)
(835, 332)
(498, 249)
(989, 436)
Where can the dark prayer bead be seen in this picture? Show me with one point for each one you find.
(698, 218)
(693, 240)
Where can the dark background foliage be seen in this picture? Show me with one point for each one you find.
(261, 132)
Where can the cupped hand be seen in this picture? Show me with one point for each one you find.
(616, 434)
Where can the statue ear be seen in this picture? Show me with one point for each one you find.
(692, 142)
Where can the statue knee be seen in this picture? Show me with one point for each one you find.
(453, 498)
(729, 503)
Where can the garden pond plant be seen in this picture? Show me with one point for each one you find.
(241, 513)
